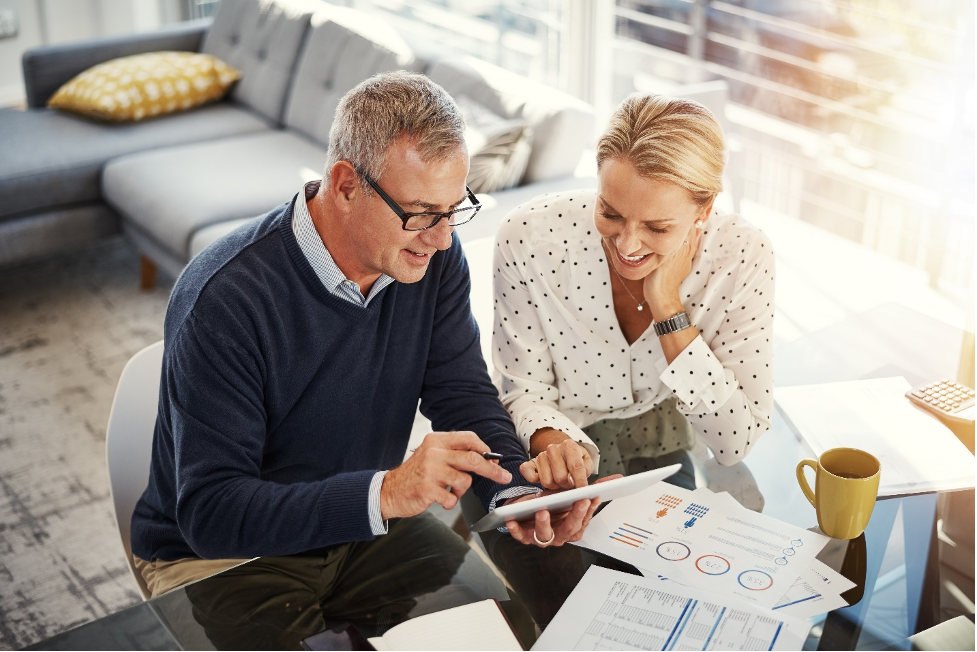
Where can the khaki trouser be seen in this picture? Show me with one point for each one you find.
(164, 576)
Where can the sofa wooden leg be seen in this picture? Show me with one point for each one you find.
(147, 274)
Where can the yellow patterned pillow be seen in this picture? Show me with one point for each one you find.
(146, 85)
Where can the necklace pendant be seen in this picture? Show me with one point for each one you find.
(640, 307)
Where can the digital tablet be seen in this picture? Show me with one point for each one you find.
(609, 490)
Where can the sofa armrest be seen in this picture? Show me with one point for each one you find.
(48, 67)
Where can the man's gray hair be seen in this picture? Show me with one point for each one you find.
(385, 107)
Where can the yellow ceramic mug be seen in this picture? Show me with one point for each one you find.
(846, 485)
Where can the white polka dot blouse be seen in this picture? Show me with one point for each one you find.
(564, 362)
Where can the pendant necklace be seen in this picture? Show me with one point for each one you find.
(641, 304)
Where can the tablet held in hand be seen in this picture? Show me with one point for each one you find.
(561, 500)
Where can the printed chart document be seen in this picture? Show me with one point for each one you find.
(917, 452)
(706, 541)
(476, 626)
(817, 591)
(610, 610)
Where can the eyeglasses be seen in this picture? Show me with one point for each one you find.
(422, 221)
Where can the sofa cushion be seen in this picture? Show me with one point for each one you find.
(563, 126)
(48, 67)
(147, 85)
(171, 193)
(343, 48)
(52, 159)
(261, 38)
(208, 235)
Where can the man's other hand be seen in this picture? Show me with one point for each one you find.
(555, 529)
(437, 472)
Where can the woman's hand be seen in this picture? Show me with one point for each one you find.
(662, 284)
(546, 529)
(661, 290)
(560, 462)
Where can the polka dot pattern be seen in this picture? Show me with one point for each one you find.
(564, 362)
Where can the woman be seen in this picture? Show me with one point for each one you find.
(632, 320)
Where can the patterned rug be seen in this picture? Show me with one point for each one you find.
(67, 328)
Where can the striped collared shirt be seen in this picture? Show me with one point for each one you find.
(322, 261)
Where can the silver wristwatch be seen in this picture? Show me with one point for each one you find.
(672, 324)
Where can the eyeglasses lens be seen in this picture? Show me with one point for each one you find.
(427, 220)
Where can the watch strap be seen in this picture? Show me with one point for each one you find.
(672, 324)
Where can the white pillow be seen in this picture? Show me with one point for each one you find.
(499, 147)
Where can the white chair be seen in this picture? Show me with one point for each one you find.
(129, 440)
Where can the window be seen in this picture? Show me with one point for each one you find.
(853, 115)
(523, 36)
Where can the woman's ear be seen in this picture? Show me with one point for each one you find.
(705, 213)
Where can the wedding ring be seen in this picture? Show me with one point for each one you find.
(544, 543)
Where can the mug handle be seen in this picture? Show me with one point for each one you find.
(801, 480)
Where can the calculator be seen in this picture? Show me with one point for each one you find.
(946, 399)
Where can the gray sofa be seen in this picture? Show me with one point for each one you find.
(176, 183)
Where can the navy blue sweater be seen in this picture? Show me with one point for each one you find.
(279, 401)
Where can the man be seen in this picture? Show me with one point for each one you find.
(296, 350)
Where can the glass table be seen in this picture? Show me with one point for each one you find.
(426, 566)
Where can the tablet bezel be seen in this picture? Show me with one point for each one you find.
(608, 490)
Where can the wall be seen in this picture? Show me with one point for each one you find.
(28, 35)
(60, 21)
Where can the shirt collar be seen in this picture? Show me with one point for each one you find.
(319, 257)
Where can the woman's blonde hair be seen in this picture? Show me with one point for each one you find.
(668, 138)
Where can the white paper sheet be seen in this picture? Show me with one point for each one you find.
(817, 591)
(475, 626)
(917, 452)
(704, 540)
(610, 610)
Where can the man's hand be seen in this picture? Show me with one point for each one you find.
(560, 462)
(437, 472)
(556, 529)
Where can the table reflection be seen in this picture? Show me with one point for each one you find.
(419, 567)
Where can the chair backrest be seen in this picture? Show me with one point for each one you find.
(129, 440)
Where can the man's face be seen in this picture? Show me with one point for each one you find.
(381, 245)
